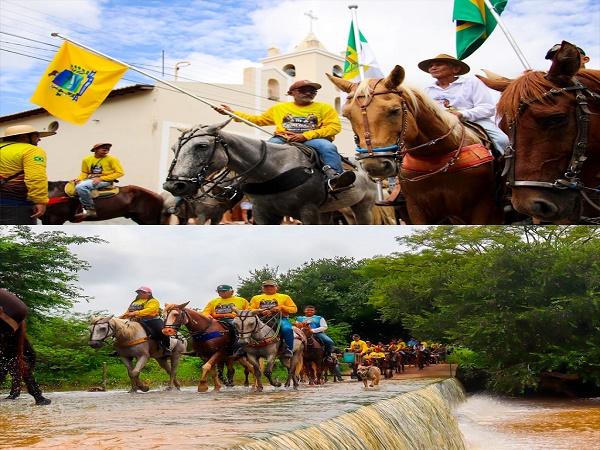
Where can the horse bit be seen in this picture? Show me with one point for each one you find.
(578, 158)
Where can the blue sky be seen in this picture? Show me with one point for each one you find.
(220, 38)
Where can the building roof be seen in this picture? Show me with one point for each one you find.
(114, 93)
(310, 41)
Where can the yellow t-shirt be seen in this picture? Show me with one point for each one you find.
(317, 120)
(16, 157)
(221, 308)
(264, 301)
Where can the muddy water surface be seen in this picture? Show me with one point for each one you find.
(181, 419)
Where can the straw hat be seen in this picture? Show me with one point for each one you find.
(100, 145)
(464, 68)
(17, 130)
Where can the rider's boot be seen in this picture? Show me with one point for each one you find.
(88, 213)
(338, 180)
(287, 352)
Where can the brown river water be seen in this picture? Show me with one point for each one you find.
(411, 414)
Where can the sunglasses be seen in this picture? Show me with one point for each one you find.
(306, 91)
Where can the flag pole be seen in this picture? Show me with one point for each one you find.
(177, 88)
(512, 42)
(361, 72)
(361, 69)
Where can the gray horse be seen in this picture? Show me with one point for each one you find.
(259, 340)
(279, 180)
(132, 342)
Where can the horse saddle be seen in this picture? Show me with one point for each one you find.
(107, 191)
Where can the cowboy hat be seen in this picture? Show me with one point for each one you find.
(464, 68)
(100, 145)
(17, 130)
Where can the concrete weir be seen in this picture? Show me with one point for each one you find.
(417, 420)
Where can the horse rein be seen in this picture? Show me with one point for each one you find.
(578, 158)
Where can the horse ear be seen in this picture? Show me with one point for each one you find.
(183, 305)
(342, 85)
(395, 78)
(497, 84)
(235, 310)
(566, 62)
(216, 127)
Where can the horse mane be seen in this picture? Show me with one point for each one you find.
(417, 101)
(122, 325)
(533, 86)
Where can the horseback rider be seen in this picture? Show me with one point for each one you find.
(23, 179)
(465, 97)
(308, 122)
(221, 308)
(271, 302)
(318, 327)
(97, 171)
(145, 309)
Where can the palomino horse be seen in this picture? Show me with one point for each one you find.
(279, 180)
(17, 357)
(131, 341)
(553, 122)
(313, 355)
(259, 340)
(446, 172)
(142, 206)
(213, 341)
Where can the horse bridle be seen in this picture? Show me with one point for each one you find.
(398, 150)
(570, 178)
(111, 330)
(200, 179)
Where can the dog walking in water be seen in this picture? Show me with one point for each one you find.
(369, 373)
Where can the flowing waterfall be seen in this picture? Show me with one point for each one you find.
(418, 420)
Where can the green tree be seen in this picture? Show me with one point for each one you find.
(525, 299)
(41, 269)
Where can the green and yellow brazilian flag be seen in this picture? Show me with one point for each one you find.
(474, 24)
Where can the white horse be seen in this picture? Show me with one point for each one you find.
(259, 340)
(279, 180)
(132, 341)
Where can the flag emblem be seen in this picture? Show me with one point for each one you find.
(76, 83)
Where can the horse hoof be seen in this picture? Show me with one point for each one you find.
(42, 401)
(203, 387)
(145, 388)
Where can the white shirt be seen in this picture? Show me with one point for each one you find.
(467, 95)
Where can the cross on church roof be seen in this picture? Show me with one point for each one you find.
(312, 18)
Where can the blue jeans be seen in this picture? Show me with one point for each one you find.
(287, 332)
(324, 147)
(327, 341)
(498, 137)
(84, 190)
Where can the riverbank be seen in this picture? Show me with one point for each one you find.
(413, 372)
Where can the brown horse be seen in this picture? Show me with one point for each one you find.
(17, 356)
(142, 206)
(446, 169)
(313, 355)
(553, 121)
(213, 341)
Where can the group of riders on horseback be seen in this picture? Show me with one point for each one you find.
(274, 307)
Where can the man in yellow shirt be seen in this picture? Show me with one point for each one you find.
(308, 122)
(272, 302)
(221, 308)
(23, 179)
(97, 171)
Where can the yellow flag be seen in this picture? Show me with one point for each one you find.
(76, 83)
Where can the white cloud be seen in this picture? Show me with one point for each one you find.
(220, 38)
